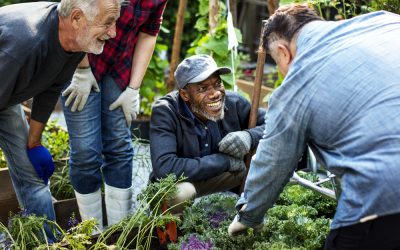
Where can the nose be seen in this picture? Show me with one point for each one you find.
(214, 94)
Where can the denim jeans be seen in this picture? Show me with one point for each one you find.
(100, 142)
(32, 193)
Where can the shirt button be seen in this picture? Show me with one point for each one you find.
(205, 128)
(206, 145)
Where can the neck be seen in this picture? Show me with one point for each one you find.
(66, 35)
(293, 45)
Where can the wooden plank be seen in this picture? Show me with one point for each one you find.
(247, 86)
(8, 198)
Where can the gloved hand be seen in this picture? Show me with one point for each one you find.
(237, 165)
(82, 83)
(129, 101)
(42, 161)
(236, 144)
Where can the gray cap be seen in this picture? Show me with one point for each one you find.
(197, 68)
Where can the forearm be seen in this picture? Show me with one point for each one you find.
(35, 133)
(141, 58)
(84, 63)
(195, 169)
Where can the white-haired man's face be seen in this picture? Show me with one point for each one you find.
(95, 31)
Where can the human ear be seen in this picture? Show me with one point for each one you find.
(76, 17)
(184, 95)
(284, 54)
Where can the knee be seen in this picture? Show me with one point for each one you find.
(186, 192)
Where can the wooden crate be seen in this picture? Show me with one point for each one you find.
(8, 198)
(248, 86)
(9, 203)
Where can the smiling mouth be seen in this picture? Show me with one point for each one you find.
(214, 105)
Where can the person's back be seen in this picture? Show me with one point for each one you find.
(32, 57)
(340, 95)
(350, 99)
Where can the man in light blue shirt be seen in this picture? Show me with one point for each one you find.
(340, 96)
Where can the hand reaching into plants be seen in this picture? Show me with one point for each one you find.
(42, 161)
(236, 227)
(236, 144)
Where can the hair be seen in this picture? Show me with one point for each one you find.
(87, 6)
(286, 22)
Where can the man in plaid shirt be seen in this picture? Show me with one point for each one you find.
(99, 121)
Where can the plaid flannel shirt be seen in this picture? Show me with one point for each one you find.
(116, 60)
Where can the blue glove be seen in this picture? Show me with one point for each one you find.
(42, 161)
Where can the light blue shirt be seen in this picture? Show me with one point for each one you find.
(342, 97)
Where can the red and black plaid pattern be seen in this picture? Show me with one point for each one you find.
(116, 59)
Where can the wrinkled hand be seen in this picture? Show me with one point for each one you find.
(236, 227)
(237, 165)
(42, 161)
(82, 83)
(236, 144)
(129, 101)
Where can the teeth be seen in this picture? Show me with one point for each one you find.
(214, 104)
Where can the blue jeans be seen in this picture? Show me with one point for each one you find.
(32, 193)
(100, 142)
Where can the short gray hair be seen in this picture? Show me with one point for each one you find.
(87, 6)
(286, 22)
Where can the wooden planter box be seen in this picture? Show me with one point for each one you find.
(8, 198)
(140, 128)
(9, 203)
(247, 86)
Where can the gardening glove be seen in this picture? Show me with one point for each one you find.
(129, 101)
(236, 144)
(237, 165)
(42, 161)
(82, 83)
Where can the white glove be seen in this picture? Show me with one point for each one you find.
(82, 83)
(129, 101)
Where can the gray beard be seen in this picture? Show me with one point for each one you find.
(197, 110)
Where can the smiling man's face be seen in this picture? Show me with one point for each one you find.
(206, 99)
(96, 32)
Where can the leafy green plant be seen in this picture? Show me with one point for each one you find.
(215, 44)
(291, 224)
(388, 5)
(341, 9)
(60, 185)
(153, 85)
(3, 162)
(55, 139)
(26, 231)
(147, 216)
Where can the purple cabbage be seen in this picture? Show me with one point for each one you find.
(217, 218)
(193, 243)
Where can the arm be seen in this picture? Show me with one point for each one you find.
(141, 58)
(168, 137)
(273, 165)
(35, 133)
(129, 99)
(256, 133)
(241, 140)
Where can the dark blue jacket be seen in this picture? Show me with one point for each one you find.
(174, 143)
